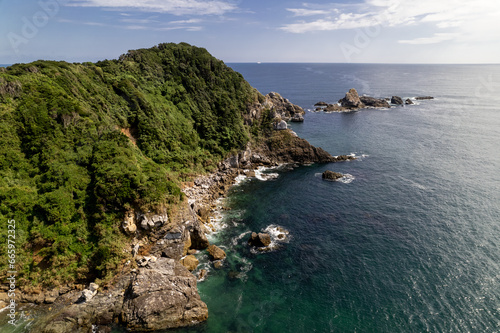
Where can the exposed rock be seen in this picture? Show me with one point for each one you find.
(199, 240)
(335, 108)
(396, 100)
(280, 125)
(216, 253)
(321, 104)
(190, 262)
(261, 239)
(218, 264)
(409, 102)
(128, 224)
(281, 106)
(298, 118)
(351, 100)
(163, 296)
(202, 273)
(88, 293)
(331, 175)
(423, 97)
(153, 221)
(374, 102)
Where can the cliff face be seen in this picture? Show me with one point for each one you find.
(93, 160)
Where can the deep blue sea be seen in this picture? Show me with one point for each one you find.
(408, 242)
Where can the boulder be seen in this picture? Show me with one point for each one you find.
(128, 224)
(216, 253)
(408, 101)
(298, 118)
(351, 100)
(161, 296)
(280, 125)
(260, 239)
(331, 175)
(397, 100)
(321, 104)
(374, 102)
(199, 240)
(202, 273)
(423, 97)
(190, 262)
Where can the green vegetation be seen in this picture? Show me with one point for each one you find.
(83, 143)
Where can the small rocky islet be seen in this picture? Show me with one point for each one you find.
(353, 102)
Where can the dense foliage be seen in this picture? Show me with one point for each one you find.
(83, 143)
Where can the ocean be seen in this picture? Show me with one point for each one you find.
(407, 241)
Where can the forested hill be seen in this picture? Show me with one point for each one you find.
(82, 143)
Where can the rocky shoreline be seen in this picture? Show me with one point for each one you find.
(157, 290)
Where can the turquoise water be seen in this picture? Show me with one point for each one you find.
(409, 243)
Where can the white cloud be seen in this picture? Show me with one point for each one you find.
(175, 7)
(472, 20)
(437, 38)
(307, 12)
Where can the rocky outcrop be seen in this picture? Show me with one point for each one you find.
(163, 295)
(260, 239)
(351, 100)
(374, 102)
(396, 100)
(280, 125)
(298, 118)
(335, 108)
(215, 252)
(190, 262)
(331, 175)
(409, 102)
(321, 104)
(281, 107)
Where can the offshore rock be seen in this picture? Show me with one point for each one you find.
(409, 102)
(331, 175)
(396, 100)
(351, 100)
(374, 102)
(423, 97)
(261, 239)
(216, 253)
(162, 296)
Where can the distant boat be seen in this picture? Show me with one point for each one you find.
(258, 62)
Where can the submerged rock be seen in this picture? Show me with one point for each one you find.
(260, 239)
(331, 175)
(423, 97)
(321, 104)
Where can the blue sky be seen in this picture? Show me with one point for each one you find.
(366, 31)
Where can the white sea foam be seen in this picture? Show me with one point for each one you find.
(279, 235)
(262, 174)
(347, 178)
(238, 238)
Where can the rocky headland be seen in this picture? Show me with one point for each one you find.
(157, 290)
(353, 102)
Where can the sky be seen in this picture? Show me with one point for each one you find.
(344, 31)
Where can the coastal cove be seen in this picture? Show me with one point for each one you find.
(410, 244)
